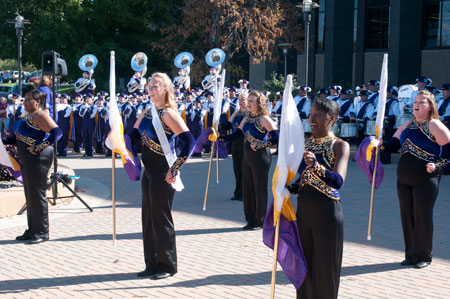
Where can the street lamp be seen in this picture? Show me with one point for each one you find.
(19, 23)
(307, 6)
(285, 47)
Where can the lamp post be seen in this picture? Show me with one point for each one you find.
(285, 47)
(19, 23)
(307, 6)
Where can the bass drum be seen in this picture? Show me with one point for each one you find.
(401, 119)
(348, 130)
(370, 128)
(306, 126)
(404, 95)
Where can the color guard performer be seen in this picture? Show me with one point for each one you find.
(425, 149)
(259, 134)
(34, 136)
(319, 211)
(157, 191)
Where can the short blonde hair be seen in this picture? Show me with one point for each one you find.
(166, 83)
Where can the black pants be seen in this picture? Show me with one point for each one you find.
(417, 192)
(255, 171)
(321, 228)
(237, 151)
(157, 223)
(34, 173)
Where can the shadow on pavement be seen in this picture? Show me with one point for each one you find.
(374, 268)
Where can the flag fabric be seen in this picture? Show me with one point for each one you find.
(291, 146)
(218, 102)
(10, 163)
(116, 140)
(364, 155)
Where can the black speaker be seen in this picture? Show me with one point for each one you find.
(52, 63)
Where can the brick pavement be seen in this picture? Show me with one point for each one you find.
(216, 258)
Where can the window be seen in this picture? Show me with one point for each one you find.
(321, 27)
(436, 16)
(377, 24)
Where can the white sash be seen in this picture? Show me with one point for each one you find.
(170, 155)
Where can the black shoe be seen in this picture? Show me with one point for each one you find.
(407, 262)
(36, 240)
(422, 265)
(161, 275)
(25, 237)
(235, 198)
(146, 272)
(248, 226)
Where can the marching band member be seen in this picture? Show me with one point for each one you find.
(234, 100)
(237, 145)
(189, 106)
(64, 110)
(157, 191)
(243, 86)
(319, 211)
(183, 80)
(361, 113)
(88, 112)
(345, 105)
(105, 128)
(100, 126)
(269, 104)
(86, 84)
(208, 81)
(323, 93)
(302, 102)
(422, 82)
(196, 116)
(425, 149)
(34, 135)
(78, 123)
(444, 107)
(334, 92)
(259, 134)
(136, 83)
(129, 114)
(15, 111)
(276, 112)
(373, 86)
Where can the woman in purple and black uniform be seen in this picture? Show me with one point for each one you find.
(34, 135)
(319, 211)
(157, 192)
(259, 134)
(425, 150)
(237, 145)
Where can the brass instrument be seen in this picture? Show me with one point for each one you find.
(87, 63)
(138, 64)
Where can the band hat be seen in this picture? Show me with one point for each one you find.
(58, 95)
(233, 88)
(304, 88)
(374, 82)
(88, 95)
(346, 91)
(198, 100)
(243, 81)
(65, 96)
(446, 86)
(335, 87)
(424, 79)
(432, 89)
(213, 67)
(324, 91)
(364, 93)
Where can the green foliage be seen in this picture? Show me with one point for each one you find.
(277, 83)
(12, 65)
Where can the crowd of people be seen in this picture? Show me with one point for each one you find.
(162, 115)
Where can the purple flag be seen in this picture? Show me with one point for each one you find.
(203, 139)
(290, 252)
(368, 166)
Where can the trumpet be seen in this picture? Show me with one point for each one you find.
(87, 63)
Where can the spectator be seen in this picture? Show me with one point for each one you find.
(3, 117)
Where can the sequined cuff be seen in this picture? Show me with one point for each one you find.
(272, 139)
(177, 165)
(41, 146)
(318, 169)
(262, 144)
(441, 163)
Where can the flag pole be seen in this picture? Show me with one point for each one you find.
(209, 175)
(275, 255)
(114, 195)
(369, 231)
(217, 162)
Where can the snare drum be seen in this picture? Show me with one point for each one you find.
(306, 126)
(370, 128)
(401, 119)
(349, 130)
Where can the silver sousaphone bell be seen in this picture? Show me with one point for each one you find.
(215, 57)
(87, 63)
(183, 60)
(139, 63)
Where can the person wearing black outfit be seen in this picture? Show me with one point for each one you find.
(237, 145)
(157, 192)
(34, 134)
(319, 211)
(259, 134)
(425, 149)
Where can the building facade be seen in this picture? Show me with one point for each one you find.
(349, 38)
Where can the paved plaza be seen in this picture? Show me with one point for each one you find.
(216, 258)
